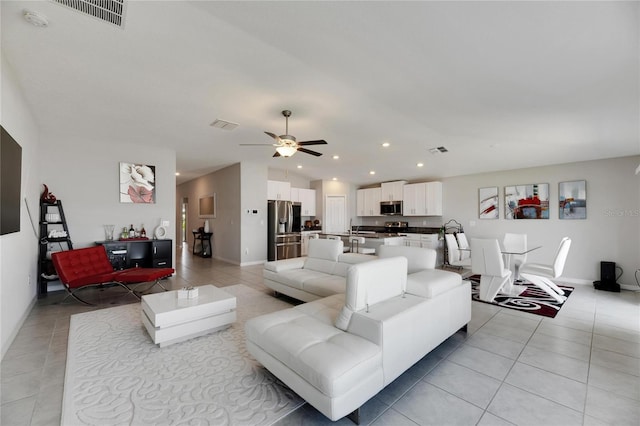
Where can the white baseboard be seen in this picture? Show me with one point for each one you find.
(254, 262)
(233, 262)
(16, 330)
(575, 281)
(581, 281)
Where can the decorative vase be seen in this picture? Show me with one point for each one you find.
(206, 225)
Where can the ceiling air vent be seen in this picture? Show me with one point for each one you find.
(438, 150)
(111, 11)
(224, 125)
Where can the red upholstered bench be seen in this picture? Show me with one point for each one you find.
(87, 267)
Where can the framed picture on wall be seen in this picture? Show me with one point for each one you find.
(488, 203)
(207, 206)
(527, 201)
(137, 183)
(572, 199)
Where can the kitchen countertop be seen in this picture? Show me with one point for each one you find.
(365, 234)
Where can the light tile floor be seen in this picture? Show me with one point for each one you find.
(582, 367)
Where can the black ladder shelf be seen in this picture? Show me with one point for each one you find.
(46, 271)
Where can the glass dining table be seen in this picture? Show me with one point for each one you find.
(511, 288)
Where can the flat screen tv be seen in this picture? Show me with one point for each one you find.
(10, 183)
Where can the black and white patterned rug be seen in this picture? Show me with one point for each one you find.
(116, 375)
(532, 300)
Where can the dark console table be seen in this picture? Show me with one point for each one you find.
(133, 253)
(205, 243)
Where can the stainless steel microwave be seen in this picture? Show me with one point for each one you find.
(391, 208)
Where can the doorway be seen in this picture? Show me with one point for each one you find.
(183, 219)
(335, 218)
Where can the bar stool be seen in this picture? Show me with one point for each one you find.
(355, 246)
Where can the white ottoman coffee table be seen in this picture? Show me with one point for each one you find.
(170, 320)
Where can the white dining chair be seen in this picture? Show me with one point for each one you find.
(463, 244)
(486, 260)
(453, 253)
(515, 243)
(541, 274)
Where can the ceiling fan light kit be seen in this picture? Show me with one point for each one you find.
(287, 145)
(286, 150)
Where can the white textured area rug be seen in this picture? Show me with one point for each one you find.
(116, 376)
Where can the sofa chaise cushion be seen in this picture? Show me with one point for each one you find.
(423, 280)
(327, 358)
(432, 282)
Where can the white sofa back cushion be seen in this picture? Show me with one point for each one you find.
(419, 258)
(346, 260)
(323, 255)
(372, 282)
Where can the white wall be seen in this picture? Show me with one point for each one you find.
(19, 250)
(238, 237)
(330, 187)
(611, 231)
(296, 180)
(253, 237)
(225, 184)
(84, 174)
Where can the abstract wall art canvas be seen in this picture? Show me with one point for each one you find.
(137, 183)
(488, 203)
(527, 201)
(572, 199)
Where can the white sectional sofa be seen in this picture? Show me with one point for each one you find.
(339, 351)
(322, 273)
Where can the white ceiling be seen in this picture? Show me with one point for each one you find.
(502, 85)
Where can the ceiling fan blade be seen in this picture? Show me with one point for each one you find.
(272, 135)
(308, 151)
(318, 142)
(277, 154)
(258, 144)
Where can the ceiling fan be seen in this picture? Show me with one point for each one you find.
(286, 145)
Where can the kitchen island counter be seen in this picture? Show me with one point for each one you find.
(372, 239)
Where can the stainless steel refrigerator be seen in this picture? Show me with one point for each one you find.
(284, 237)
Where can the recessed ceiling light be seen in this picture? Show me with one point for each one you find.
(372, 172)
(334, 178)
(336, 157)
(177, 173)
(386, 144)
(299, 166)
(420, 164)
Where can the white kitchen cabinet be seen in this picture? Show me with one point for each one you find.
(414, 200)
(434, 198)
(412, 240)
(295, 195)
(277, 190)
(392, 191)
(360, 207)
(422, 199)
(368, 202)
(307, 198)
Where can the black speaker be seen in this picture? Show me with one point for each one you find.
(607, 278)
(608, 272)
